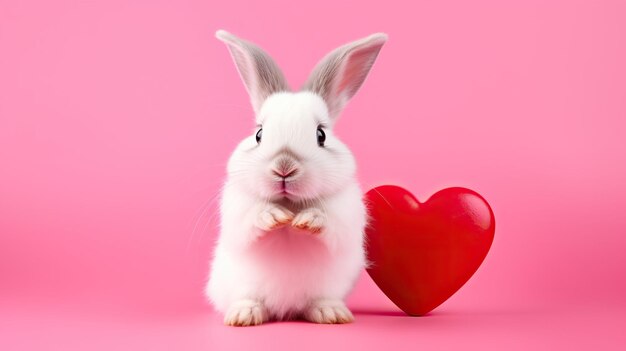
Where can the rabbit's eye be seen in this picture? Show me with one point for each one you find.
(321, 137)
(259, 133)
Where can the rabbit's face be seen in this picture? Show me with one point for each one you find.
(292, 153)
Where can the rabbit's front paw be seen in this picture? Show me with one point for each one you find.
(310, 219)
(272, 217)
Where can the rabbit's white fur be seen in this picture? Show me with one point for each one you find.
(291, 246)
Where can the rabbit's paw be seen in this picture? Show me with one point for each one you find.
(328, 312)
(310, 219)
(245, 313)
(272, 217)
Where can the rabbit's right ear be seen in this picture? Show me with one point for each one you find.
(257, 69)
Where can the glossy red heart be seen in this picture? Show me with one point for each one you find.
(422, 253)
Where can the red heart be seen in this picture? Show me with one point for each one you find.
(422, 253)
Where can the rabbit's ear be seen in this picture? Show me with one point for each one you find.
(257, 69)
(339, 75)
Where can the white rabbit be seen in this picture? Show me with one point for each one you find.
(292, 214)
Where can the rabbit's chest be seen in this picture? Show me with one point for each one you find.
(290, 252)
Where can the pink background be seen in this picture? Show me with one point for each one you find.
(117, 117)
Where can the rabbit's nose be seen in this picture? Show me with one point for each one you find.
(285, 174)
(285, 168)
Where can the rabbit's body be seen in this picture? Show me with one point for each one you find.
(287, 269)
(292, 214)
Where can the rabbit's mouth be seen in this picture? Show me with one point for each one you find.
(285, 188)
(285, 183)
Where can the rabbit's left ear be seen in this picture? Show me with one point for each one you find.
(257, 69)
(342, 72)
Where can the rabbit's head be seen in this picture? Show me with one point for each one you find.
(292, 153)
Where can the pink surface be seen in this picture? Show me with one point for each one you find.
(117, 117)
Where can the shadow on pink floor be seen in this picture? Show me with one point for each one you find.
(55, 328)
